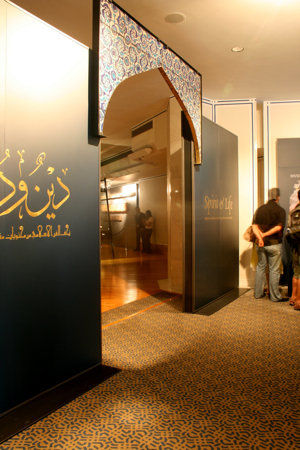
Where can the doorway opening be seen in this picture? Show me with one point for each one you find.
(134, 174)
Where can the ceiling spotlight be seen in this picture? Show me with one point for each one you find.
(237, 49)
(175, 17)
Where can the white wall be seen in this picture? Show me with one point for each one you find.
(2, 69)
(281, 120)
(208, 108)
(260, 181)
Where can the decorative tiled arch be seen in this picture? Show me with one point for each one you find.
(127, 49)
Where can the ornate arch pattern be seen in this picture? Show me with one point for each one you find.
(127, 49)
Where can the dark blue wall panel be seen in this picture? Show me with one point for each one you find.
(49, 260)
(216, 215)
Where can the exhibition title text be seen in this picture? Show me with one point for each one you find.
(44, 201)
(215, 203)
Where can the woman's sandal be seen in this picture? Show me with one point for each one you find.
(292, 301)
(297, 306)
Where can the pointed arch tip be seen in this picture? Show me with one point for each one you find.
(146, 52)
(198, 159)
(197, 154)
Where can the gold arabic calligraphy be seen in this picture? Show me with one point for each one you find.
(7, 156)
(23, 187)
(39, 234)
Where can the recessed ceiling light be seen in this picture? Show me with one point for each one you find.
(237, 49)
(175, 17)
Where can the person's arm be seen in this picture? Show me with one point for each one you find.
(273, 230)
(258, 234)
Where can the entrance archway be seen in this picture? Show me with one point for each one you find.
(132, 182)
(126, 49)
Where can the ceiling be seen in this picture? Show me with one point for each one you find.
(269, 31)
(267, 69)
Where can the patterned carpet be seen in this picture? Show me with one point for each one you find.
(227, 381)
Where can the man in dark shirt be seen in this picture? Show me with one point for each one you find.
(268, 224)
(140, 228)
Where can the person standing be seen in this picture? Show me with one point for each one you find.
(268, 224)
(140, 228)
(148, 231)
(295, 249)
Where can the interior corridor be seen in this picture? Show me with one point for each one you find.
(129, 276)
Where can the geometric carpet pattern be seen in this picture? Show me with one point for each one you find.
(129, 309)
(225, 381)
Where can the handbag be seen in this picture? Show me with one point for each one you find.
(249, 235)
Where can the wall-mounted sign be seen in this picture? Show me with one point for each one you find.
(115, 208)
(113, 217)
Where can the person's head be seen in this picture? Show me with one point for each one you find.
(299, 195)
(148, 213)
(274, 194)
(137, 210)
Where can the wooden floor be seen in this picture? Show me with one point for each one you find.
(129, 276)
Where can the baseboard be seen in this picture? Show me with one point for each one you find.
(159, 248)
(165, 285)
(221, 302)
(34, 410)
(247, 284)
